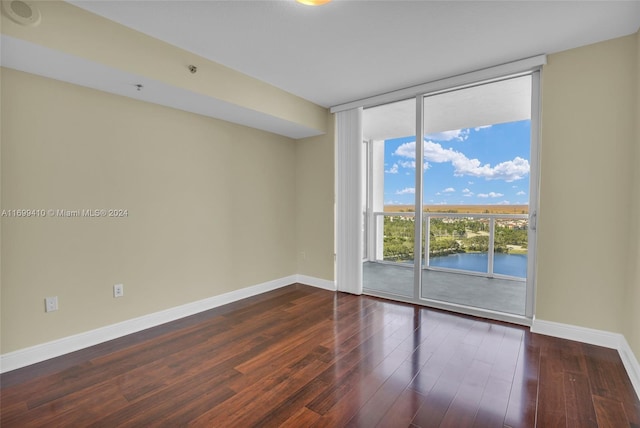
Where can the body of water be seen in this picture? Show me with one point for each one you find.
(503, 264)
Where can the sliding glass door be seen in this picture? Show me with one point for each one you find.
(476, 187)
(449, 214)
(390, 212)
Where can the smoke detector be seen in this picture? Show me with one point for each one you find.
(22, 12)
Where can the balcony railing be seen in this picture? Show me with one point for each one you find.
(492, 245)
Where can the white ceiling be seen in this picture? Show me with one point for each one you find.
(499, 102)
(333, 54)
(347, 50)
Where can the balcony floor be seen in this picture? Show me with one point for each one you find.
(502, 295)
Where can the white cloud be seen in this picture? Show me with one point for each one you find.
(467, 193)
(412, 164)
(490, 195)
(511, 170)
(406, 190)
(449, 190)
(520, 193)
(456, 134)
(503, 203)
(407, 150)
(469, 182)
(482, 127)
(515, 169)
(393, 169)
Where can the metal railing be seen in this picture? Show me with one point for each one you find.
(462, 232)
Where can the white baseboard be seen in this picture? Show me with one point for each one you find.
(579, 334)
(594, 337)
(316, 282)
(35, 354)
(631, 364)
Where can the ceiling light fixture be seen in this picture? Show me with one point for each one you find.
(22, 12)
(313, 2)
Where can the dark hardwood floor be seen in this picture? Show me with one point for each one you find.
(306, 357)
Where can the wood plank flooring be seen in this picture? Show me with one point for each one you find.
(306, 357)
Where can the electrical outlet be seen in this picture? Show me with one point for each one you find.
(118, 290)
(51, 304)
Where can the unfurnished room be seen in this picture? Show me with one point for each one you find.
(319, 213)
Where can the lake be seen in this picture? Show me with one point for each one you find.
(503, 264)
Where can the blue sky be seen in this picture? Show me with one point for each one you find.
(485, 166)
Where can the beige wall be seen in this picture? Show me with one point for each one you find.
(632, 324)
(1, 222)
(211, 208)
(314, 204)
(588, 133)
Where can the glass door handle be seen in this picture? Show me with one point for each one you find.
(533, 219)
